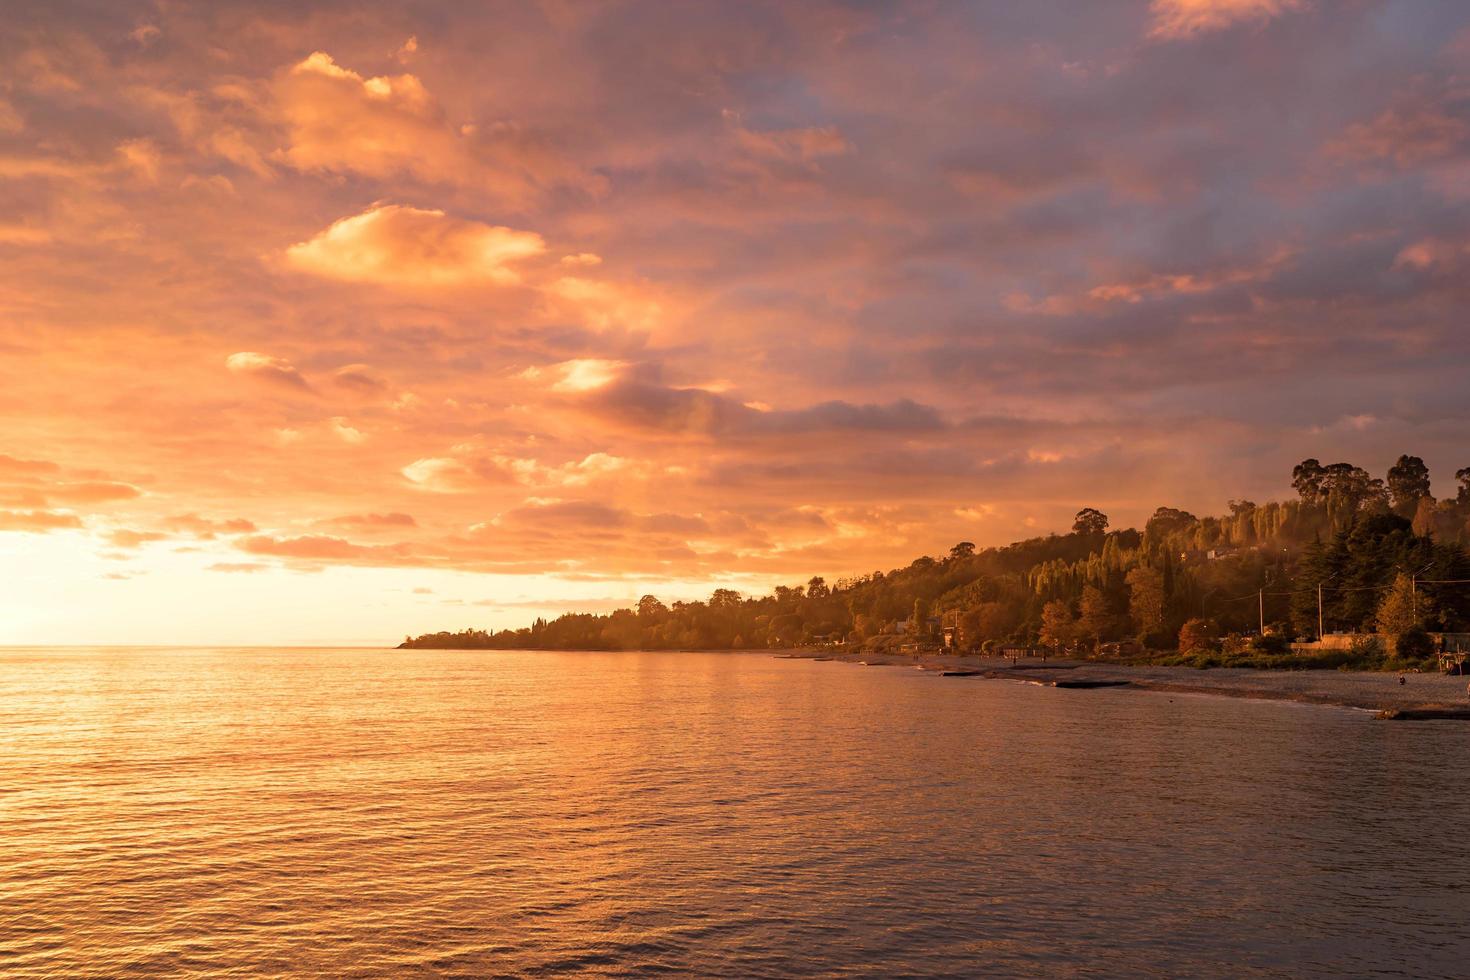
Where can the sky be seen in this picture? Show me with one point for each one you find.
(332, 322)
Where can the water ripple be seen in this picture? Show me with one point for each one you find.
(248, 813)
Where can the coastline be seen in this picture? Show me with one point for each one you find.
(1421, 697)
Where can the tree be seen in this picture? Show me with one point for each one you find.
(965, 549)
(1306, 480)
(724, 599)
(1348, 489)
(990, 621)
(1425, 517)
(1462, 476)
(817, 588)
(1146, 599)
(1166, 521)
(969, 623)
(1196, 634)
(649, 607)
(921, 617)
(1408, 483)
(1057, 625)
(1413, 645)
(1094, 618)
(1090, 521)
(787, 596)
(1401, 610)
(784, 629)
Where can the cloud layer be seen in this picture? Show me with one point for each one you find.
(634, 292)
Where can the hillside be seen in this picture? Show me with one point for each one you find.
(1362, 540)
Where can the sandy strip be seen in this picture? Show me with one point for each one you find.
(1350, 689)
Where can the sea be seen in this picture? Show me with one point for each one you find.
(220, 812)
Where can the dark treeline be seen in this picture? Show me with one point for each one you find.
(1384, 553)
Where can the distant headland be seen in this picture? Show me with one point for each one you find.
(1355, 572)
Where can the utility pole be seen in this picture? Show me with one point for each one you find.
(1414, 589)
(1261, 602)
(1319, 612)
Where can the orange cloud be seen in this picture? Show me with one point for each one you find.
(206, 529)
(452, 474)
(358, 378)
(126, 538)
(1422, 127)
(92, 493)
(389, 126)
(37, 521)
(321, 547)
(1175, 19)
(10, 120)
(603, 304)
(392, 519)
(576, 473)
(339, 120)
(793, 145)
(403, 246)
(9, 464)
(580, 374)
(267, 368)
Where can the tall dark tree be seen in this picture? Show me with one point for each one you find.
(1090, 520)
(730, 599)
(965, 549)
(1306, 480)
(1165, 522)
(1349, 489)
(1408, 483)
(1462, 476)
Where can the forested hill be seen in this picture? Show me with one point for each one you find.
(1359, 538)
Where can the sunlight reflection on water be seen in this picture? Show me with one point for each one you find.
(273, 812)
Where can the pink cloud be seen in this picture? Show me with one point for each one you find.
(1175, 19)
(402, 246)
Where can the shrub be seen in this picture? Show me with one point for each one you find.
(1196, 634)
(1413, 644)
(1366, 647)
(1272, 643)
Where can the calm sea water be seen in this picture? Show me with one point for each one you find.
(405, 813)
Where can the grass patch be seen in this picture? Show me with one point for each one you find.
(1373, 660)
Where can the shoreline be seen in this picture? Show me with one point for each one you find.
(1421, 697)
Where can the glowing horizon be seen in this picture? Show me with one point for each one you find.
(336, 324)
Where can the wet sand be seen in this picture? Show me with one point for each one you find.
(1420, 694)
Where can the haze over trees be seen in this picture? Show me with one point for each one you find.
(1378, 553)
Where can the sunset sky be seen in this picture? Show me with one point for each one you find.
(331, 322)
